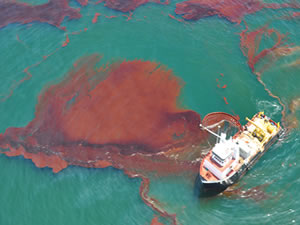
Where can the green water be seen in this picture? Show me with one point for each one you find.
(197, 52)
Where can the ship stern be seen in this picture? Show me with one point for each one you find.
(204, 188)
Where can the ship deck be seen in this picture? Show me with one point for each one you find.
(246, 138)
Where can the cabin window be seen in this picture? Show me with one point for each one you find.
(220, 161)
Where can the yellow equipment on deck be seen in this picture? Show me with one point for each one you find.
(259, 132)
(270, 129)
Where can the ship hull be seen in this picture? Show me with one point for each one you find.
(206, 189)
(211, 188)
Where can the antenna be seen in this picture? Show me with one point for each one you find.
(219, 129)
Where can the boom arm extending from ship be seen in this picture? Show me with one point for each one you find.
(208, 130)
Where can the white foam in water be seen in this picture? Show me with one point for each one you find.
(271, 109)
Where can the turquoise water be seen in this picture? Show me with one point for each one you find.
(197, 52)
(33, 2)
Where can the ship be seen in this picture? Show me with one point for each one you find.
(231, 157)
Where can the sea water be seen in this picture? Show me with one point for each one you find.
(197, 52)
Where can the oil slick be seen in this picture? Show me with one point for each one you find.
(232, 10)
(55, 11)
(114, 115)
(109, 110)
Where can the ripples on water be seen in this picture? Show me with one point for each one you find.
(268, 194)
(271, 108)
